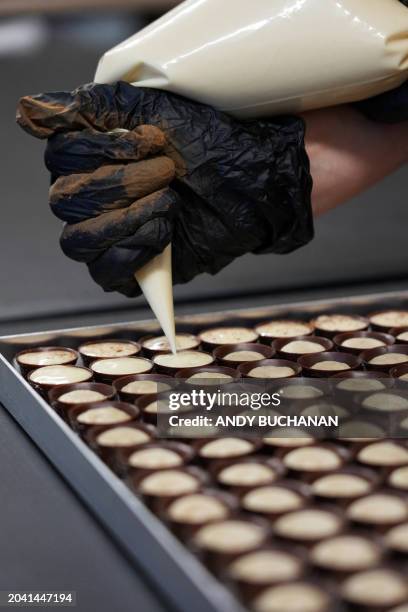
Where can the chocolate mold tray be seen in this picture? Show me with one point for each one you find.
(172, 568)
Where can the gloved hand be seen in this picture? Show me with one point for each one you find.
(235, 187)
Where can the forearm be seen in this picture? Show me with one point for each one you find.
(349, 153)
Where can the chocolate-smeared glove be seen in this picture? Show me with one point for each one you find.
(175, 171)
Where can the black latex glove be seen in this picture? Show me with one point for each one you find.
(235, 187)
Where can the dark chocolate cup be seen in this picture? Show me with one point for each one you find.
(110, 378)
(169, 371)
(381, 526)
(111, 454)
(217, 560)
(310, 540)
(63, 407)
(124, 396)
(343, 456)
(266, 352)
(298, 487)
(44, 389)
(199, 444)
(187, 373)
(385, 328)
(155, 502)
(371, 477)
(82, 428)
(366, 356)
(268, 337)
(278, 345)
(340, 338)
(211, 346)
(246, 368)
(308, 361)
(150, 353)
(396, 331)
(25, 369)
(185, 530)
(331, 334)
(249, 589)
(275, 467)
(184, 451)
(88, 359)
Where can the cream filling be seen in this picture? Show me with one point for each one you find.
(301, 392)
(155, 459)
(59, 375)
(294, 438)
(229, 335)
(46, 358)
(103, 416)
(403, 336)
(312, 459)
(81, 396)
(197, 509)
(184, 342)
(403, 377)
(330, 365)
(360, 385)
(272, 500)
(389, 359)
(142, 387)
(399, 478)
(299, 597)
(360, 431)
(231, 536)
(392, 318)
(121, 366)
(302, 347)
(169, 483)
(375, 588)
(226, 447)
(397, 538)
(386, 402)
(243, 356)
(339, 323)
(362, 343)
(183, 359)
(345, 553)
(265, 567)
(246, 474)
(122, 437)
(108, 349)
(284, 329)
(378, 509)
(383, 453)
(209, 376)
(307, 525)
(341, 485)
(271, 372)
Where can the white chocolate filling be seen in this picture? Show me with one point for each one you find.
(302, 347)
(362, 343)
(360, 431)
(231, 536)
(59, 375)
(184, 342)
(360, 385)
(183, 359)
(307, 525)
(397, 538)
(46, 358)
(169, 483)
(108, 415)
(389, 359)
(272, 499)
(226, 447)
(375, 588)
(155, 459)
(391, 318)
(399, 478)
(298, 597)
(145, 387)
(229, 335)
(197, 509)
(341, 485)
(121, 366)
(214, 376)
(345, 553)
(301, 392)
(289, 437)
(243, 356)
(385, 402)
(403, 336)
(339, 323)
(246, 474)
(284, 329)
(81, 396)
(108, 349)
(403, 377)
(271, 372)
(378, 509)
(383, 453)
(312, 459)
(330, 365)
(265, 567)
(122, 437)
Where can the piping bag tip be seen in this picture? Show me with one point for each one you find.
(156, 282)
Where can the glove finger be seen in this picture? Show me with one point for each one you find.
(85, 151)
(87, 240)
(78, 197)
